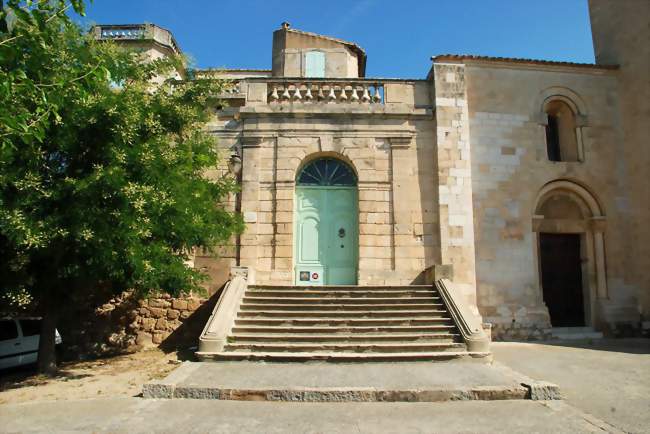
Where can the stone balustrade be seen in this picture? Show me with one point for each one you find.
(325, 92)
(137, 32)
(232, 88)
(122, 32)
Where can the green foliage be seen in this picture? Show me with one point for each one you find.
(102, 172)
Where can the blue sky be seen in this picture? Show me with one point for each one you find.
(398, 36)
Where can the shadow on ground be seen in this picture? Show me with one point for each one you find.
(185, 339)
(27, 376)
(626, 345)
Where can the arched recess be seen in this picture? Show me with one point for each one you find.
(563, 114)
(561, 93)
(326, 222)
(568, 216)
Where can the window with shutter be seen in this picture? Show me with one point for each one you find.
(315, 64)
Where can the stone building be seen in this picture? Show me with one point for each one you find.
(523, 181)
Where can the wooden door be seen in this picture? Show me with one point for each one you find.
(326, 236)
(562, 279)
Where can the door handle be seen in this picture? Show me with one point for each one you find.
(17, 344)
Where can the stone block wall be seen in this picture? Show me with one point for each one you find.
(393, 158)
(620, 33)
(156, 318)
(125, 324)
(510, 167)
(454, 176)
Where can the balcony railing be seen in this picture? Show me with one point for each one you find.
(325, 92)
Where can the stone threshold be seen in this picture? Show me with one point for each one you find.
(369, 382)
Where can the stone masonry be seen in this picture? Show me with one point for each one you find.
(456, 174)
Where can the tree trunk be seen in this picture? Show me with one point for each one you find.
(46, 343)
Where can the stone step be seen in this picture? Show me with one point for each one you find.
(326, 300)
(354, 347)
(343, 330)
(431, 313)
(341, 294)
(343, 356)
(333, 337)
(342, 288)
(392, 307)
(388, 321)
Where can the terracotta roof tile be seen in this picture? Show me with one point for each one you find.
(457, 57)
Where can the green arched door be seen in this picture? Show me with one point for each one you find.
(326, 228)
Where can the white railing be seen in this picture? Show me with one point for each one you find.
(325, 92)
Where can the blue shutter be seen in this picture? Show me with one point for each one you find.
(315, 64)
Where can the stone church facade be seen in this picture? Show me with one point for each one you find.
(522, 181)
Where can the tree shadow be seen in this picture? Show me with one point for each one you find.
(617, 345)
(27, 376)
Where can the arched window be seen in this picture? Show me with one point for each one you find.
(561, 138)
(326, 172)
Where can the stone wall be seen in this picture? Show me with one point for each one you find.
(125, 324)
(510, 170)
(391, 147)
(621, 34)
(454, 176)
(158, 317)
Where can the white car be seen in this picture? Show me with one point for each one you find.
(19, 341)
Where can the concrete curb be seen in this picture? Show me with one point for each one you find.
(534, 391)
(169, 391)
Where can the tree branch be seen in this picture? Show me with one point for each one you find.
(47, 21)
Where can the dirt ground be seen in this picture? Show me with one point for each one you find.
(106, 377)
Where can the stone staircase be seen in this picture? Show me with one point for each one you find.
(341, 323)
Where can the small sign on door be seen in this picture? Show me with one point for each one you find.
(305, 276)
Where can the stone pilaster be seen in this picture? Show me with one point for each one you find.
(250, 191)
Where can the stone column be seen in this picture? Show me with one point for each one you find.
(455, 176)
(598, 227)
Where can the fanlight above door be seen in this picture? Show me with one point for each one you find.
(327, 172)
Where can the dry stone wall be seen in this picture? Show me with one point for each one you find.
(158, 317)
(125, 324)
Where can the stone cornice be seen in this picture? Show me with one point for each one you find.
(254, 141)
(302, 110)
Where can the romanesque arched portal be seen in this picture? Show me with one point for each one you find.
(569, 225)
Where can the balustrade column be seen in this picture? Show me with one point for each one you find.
(336, 91)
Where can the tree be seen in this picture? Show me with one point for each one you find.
(102, 173)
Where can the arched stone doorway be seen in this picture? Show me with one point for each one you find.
(326, 228)
(569, 225)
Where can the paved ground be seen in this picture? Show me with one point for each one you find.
(607, 386)
(366, 382)
(198, 416)
(609, 378)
